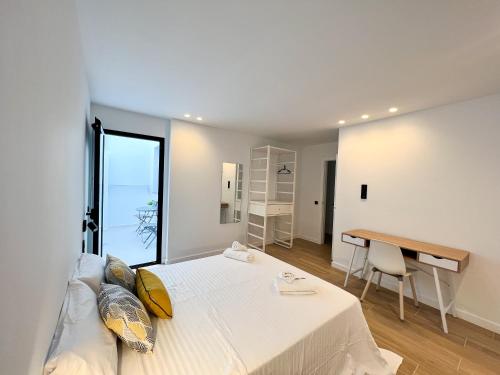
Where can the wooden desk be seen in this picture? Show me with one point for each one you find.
(436, 256)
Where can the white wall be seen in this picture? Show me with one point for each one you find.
(432, 175)
(196, 156)
(43, 106)
(193, 161)
(132, 122)
(310, 183)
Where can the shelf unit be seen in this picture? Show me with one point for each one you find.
(271, 197)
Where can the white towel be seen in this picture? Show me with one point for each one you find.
(238, 247)
(244, 256)
(301, 286)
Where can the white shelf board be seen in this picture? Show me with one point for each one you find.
(262, 203)
(254, 235)
(256, 225)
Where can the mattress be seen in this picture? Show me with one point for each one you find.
(228, 319)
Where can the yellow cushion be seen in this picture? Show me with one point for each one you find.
(153, 294)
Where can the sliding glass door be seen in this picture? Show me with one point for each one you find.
(129, 197)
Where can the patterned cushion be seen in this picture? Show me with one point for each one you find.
(118, 273)
(126, 316)
(153, 294)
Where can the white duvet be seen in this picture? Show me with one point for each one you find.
(228, 319)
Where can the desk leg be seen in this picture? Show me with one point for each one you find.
(350, 266)
(453, 295)
(365, 265)
(440, 300)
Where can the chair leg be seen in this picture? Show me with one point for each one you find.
(401, 299)
(414, 290)
(379, 280)
(368, 282)
(150, 242)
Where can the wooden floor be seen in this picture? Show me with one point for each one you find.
(467, 349)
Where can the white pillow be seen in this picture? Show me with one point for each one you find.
(82, 345)
(90, 270)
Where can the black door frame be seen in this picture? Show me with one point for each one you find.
(95, 212)
(325, 195)
(98, 187)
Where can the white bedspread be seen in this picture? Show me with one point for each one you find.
(228, 319)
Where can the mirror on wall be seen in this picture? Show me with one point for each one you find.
(231, 193)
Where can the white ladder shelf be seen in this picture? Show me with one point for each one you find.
(271, 197)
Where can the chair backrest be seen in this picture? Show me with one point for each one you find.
(387, 258)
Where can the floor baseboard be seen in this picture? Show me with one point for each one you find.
(310, 239)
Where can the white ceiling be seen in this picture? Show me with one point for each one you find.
(289, 69)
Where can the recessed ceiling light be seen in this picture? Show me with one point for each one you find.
(393, 109)
(199, 118)
(365, 116)
(341, 122)
(187, 115)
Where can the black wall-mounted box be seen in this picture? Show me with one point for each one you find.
(364, 191)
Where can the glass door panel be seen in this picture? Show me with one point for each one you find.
(131, 197)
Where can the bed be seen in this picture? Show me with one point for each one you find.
(229, 319)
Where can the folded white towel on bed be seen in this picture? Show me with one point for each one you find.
(238, 246)
(244, 256)
(297, 287)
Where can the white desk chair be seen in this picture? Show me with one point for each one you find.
(388, 259)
